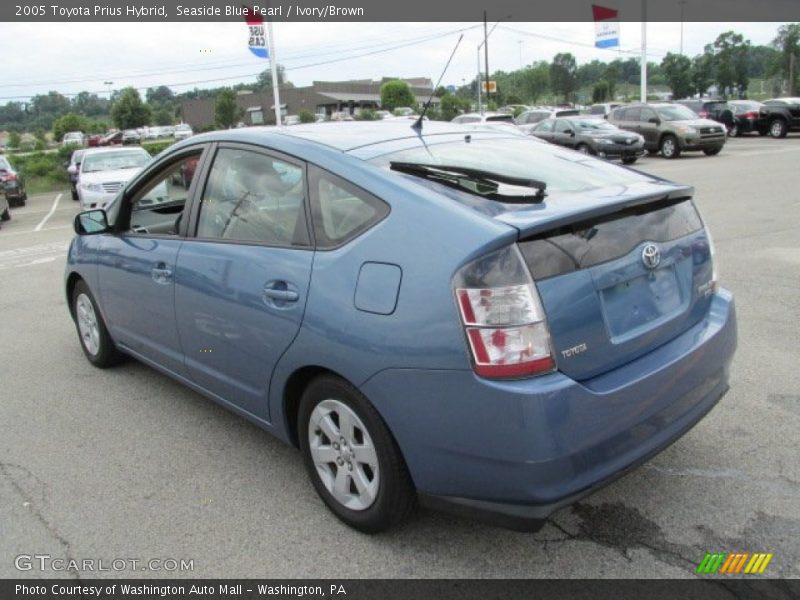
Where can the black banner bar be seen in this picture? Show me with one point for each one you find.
(707, 588)
(392, 10)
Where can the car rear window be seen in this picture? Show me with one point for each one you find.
(501, 118)
(522, 157)
(586, 244)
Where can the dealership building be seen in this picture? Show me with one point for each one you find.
(322, 98)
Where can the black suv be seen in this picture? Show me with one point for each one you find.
(716, 110)
(782, 116)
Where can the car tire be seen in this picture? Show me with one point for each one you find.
(6, 216)
(95, 341)
(712, 151)
(583, 149)
(629, 160)
(733, 131)
(778, 128)
(74, 193)
(361, 476)
(669, 147)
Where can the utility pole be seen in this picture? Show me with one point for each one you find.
(682, 3)
(791, 74)
(480, 107)
(643, 71)
(486, 56)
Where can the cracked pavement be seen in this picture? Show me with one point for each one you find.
(126, 463)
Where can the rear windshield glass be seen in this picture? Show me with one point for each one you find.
(590, 243)
(561, 170)
(676, 112)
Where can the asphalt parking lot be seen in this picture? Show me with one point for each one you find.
(125, 463)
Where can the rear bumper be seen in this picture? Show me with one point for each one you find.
(513, 452)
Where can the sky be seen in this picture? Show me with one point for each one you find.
(69, 58)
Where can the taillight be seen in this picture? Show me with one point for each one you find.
(750, 115)
(8, 177)
(503, 317)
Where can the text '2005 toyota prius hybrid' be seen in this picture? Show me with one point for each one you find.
(459, 316)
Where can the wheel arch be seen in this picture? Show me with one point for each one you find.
(293, 390)
(72, 280)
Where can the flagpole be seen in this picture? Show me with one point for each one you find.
(643, 72)
(274, 66)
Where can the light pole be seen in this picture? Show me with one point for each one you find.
(682, 3)
(520, 53)
(109, 84)
(485, 46)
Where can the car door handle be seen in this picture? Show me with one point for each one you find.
(161, 273)
(281, 295)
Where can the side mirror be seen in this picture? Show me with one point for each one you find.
(570, 132)
(654, 120)
(91, 222)
(72, 169)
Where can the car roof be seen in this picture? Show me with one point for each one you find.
(109, 150)
(368, 138)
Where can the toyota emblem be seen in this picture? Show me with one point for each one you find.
(651, 256)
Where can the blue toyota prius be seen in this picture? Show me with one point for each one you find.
(461, 317)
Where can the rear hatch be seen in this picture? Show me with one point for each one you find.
(619, 285)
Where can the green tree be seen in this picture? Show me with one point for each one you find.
(366, 114)
(395, 93)
(677, 73)
(67, 123)
(129, 112)
(264, 79)
(730, 51)
(787, 42)
(600, 91)
(306, 116)
(535, 81)
(14, 139)
(564, 74)
(226, 111)
(162, 116)
(702, 73)
(452, 106)
(441, 92)
(611, 75)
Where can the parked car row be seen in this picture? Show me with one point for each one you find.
(127, 136)
(12, 189)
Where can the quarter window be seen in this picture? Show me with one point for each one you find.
(252, 197)
(340, 210)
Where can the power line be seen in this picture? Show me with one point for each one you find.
(227, 64)
(296, 68)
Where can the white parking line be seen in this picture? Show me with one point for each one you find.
(48, 215)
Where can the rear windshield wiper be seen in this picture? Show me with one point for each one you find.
(494, 186)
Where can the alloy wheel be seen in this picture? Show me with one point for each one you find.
(87, 324)
(344, 454)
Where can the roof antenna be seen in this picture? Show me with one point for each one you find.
(418, 123)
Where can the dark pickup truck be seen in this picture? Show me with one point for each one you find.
(782, 116)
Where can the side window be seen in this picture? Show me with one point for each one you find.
(563, 126)
(632, 114)
(252, 197)
(646, 114)
(340, 210)
(545, 126)
(157, 208)
(470, 119)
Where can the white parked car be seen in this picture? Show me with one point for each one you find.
(495, 120)
(183, 131)
(74, 138)
(105, 171)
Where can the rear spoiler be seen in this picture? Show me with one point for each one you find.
(562, 210)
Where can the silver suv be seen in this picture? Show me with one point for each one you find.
(670, 128)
